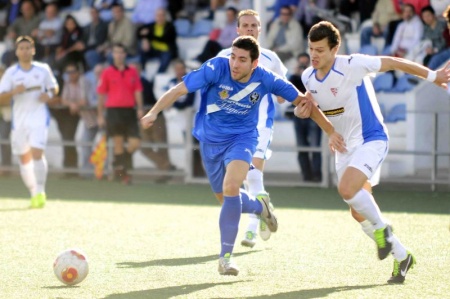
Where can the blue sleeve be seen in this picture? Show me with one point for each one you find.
(208, 73)
(282, 88)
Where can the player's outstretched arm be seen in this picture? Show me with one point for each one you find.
(439, 77)
(166, 100)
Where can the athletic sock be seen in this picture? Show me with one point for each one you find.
(364, 203)
(367, 228)
(398, 250)
(250, 205)
(255, 181)
(230, 215)
(28, 177)
(40, 173)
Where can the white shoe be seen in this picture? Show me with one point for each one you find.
(267, 214)
(226, 267)
(264, 231)
(250, 239)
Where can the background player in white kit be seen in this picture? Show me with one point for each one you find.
(248, 23)
(341, 88)
(29, 85)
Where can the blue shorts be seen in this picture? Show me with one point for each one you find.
(216, 157)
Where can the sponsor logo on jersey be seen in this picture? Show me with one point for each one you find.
(334, 112)
(254, 97)
(368, 167)
(226, 87)
(334, 90)
(313, 91)
(350, 59)
(224, 94)
(210, 65)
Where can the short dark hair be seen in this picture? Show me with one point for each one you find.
(325, 29)
(428, 8)
(119, 45)
(24, 38)
(248, 43)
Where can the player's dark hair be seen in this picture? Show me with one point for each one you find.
(325, 29)
(248, 43)
(24, 38)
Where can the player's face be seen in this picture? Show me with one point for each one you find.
(241, 65)
(249, 25)
(322, 57)
(25, 51)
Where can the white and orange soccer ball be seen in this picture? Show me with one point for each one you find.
(71, 266)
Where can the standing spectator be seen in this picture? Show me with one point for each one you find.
(407, 34)
(88, 112)
(95, 35)
(27, 24)
(50, 30)
(67, 115)
(383, 14)
(158, 40)
(144, 11)
(71, 49)
(440, 58)
(307, 132)
(31, 85)
(120, 92)
(285, 35)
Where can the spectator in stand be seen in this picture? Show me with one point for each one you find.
(144, 11)
(407, 34)
(27, 24)
(416, 4)
(174, 7)
(383, 14)
(307, 14)
(12, 8)
(67, 115)
(279, 4)
(284, 36)
(237, 4)
(307, 132)
(364, 8)
(440, 58)
(71, 48)
(120, 31)
(158, 40)
(88, 114)
(104, 8)
(95, 35)
(50, 31)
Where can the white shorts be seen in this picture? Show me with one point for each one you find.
(26, 137)
(264, 140)
(366, 158)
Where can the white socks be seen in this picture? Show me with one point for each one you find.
(367, 228)
(255, 186)
(40, 172)
(28, 177)
(364, 204)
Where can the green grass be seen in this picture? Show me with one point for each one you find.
(162, 241)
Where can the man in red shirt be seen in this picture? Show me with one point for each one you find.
(120, 92)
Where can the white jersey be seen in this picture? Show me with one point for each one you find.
(346, 96)
(27, 109)
(269, 60)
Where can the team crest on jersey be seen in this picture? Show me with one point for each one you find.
(334, 90)
(224, 94)
(254, 97)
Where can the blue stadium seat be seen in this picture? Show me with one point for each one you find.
(202, 27)
(183, 27)
(369, 50)
(383, 82)
(403, 85)
(397, 113)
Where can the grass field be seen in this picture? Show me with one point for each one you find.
(162, 241)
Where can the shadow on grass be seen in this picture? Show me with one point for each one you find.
(284, 197)
(15, 209)
(60, 287)
(178, 261)
(169, 292)
(313, 293)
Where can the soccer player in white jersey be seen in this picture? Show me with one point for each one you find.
(226, 127)
(249, 24)
(29, 86)
(340, 87)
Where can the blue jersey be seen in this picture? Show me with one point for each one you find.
(228, 108)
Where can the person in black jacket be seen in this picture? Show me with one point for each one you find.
(158, 40)
(95, 35)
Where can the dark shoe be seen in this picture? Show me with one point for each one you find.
(382, 237)
(401, 268)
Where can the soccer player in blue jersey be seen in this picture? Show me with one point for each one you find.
(341, 88)
(225, 125)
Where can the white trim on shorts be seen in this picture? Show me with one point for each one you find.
(264, 140)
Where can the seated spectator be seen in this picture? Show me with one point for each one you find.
(158, 40)
(50, 31)
(144, 11)
(104, 8)
(284, 36)
(27, 24)
(237, 4)
(407, 34)
(71, 49)
(441, 57)
(12, 8)
(383, 14)
(95, 35)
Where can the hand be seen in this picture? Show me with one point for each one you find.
(443, 76)
(18, 89)
(44, 97)
(336, 143)
(303, 109)
(148, 120)
(101, 121)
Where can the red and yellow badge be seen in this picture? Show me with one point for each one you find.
(224, 94)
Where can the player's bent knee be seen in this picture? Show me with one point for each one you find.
(346, 191)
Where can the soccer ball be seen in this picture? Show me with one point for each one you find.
(71, 266)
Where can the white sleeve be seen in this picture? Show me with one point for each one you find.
(6, 84)
(50, 80)
(361, 65)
